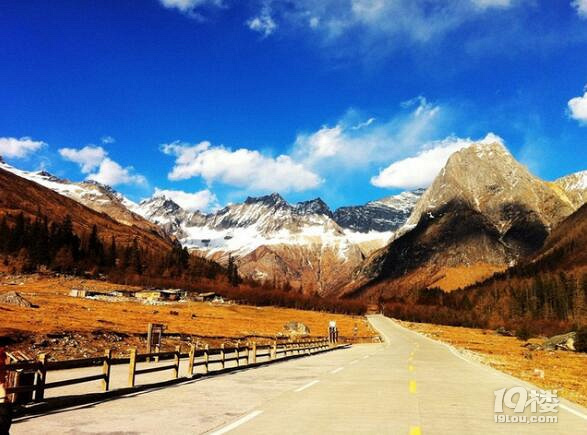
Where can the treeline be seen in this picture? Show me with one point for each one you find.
(547, 303)
(30, 245)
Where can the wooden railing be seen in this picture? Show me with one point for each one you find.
(242, 356)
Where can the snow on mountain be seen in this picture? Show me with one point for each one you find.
(574, 186)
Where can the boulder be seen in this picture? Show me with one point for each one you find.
(563, 341)
(502, 331)
(13, 298)
(296, 329)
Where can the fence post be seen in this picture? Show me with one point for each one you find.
(191, 360)
(238, 353)
(157, 349)
(177, 358)
(206, 359)
(222, 356)
(132, 365)
(254, 353)
(106, 369)
(41, 377)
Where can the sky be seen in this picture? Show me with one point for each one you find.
(211, 101)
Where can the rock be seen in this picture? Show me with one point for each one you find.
(502, 331)
(532, 346)
(563, 341)
(296, 329)
(14, 298)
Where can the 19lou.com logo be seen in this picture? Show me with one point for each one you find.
(538, 402)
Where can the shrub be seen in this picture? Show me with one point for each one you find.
(581, 340)
(523, 333)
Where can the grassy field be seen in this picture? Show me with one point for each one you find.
(67, 326)
(563, 371)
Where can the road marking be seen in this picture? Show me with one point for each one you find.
(573, 411)
(415, 430)
(237, 423)
(335, 371)
(410, 368)
(366, 356)
(308, 385)
(412, 386)
(354, 362)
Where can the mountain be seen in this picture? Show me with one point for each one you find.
(574, 187)
(386, 214)
(20, 194)
(94, 195)
(483, 212)
(302, 244)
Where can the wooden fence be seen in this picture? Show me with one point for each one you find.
(243, 356)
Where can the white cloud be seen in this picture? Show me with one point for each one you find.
(192, 8)
(485, 4)
(13, 147)
(242, 168)
(379, 23)
(354, 143)
(581, 7)
(420, 170)
(112, 174)
(89, 157)
(263, 23)
(107, 139)
(204, 200)
(578, 108)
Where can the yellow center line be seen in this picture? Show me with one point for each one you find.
(412, 386)
(410, 368)
(415, 430)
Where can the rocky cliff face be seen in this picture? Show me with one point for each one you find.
(483, 212)
(386, 214)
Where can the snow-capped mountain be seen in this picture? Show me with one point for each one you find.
(273, 240)
(383, 215)
(574, 186)
(96, 196)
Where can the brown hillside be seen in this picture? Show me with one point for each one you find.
(20, 195)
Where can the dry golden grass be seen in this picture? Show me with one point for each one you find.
(452, 278)
(57, 312)
(563, 371)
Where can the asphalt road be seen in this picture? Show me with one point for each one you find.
(407, 385)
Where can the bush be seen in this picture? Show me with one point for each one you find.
(523, 333)
(581, 340)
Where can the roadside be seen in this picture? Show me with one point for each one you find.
(559, 370)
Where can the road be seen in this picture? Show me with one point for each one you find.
(407, 385)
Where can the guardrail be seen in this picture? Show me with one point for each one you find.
(241, 355)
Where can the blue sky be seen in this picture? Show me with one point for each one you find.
(349, 100)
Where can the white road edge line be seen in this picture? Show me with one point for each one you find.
(573, 411)
(335, 371)
(354, 362)
(237, 423)
(308, 385)
(366, 356)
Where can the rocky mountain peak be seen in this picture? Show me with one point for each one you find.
(272, 200)
(313, 206)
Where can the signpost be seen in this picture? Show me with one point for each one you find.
(154, 335)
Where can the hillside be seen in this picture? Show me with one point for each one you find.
(18, 195)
